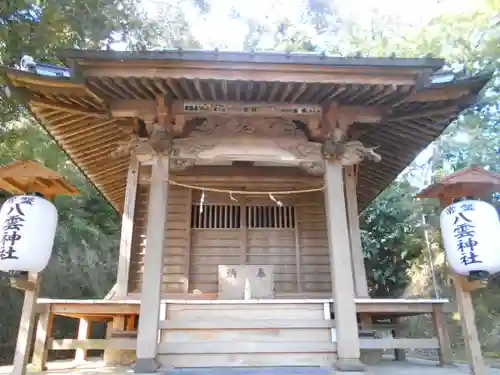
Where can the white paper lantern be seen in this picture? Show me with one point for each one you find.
(28, 228)
(471, 231)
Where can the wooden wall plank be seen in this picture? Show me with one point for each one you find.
(192, 255)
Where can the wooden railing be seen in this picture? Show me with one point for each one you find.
(255, 332)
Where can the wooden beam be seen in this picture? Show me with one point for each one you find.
(261, 73)
(398, 343)
(68, 344)
(127, 228)
(192, 108)
(437, 94)
(213, 175)
(448, 111)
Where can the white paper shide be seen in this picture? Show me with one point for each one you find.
(470, 231)
(28, 227)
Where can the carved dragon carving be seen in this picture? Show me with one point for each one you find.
(348, 152)
(159, 142)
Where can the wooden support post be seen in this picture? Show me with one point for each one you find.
(112, 356)
(469, 329)
(43, 334)
(357, 256)
(131, 323)
(243, 230)
(26, 327)
(147, 338)
(439, 321)
(187, 257)
(348, 351)
(399, 354)
(127, 228)
(83, 334)
(296, 232)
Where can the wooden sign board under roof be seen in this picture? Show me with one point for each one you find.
(473, 180)
(26, 176)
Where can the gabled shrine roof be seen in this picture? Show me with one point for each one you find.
(467, 181)
(420, 101)
(27, 176)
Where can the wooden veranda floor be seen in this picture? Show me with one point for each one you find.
(387, 367)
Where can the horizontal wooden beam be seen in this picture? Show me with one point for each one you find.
(399, 343)
(239, 175)
(246, 347)
(259, 73)
(116, 343)
(437, 94)
(191, 108)
(246, 324)
(445, 111)
(94, 309)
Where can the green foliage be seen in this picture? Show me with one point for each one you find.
(391, 239)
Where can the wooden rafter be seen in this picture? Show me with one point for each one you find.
(41, 102)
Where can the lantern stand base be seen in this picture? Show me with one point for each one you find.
(478, 275)
(22, 283)
(468, 285)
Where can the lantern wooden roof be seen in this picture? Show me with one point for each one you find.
(26, 176)
(411, 102)
(473, 180)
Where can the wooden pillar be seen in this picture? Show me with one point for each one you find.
(26, 327)
(348, 351)
(358, 261)
(127, 228)
(147, 338)
(43, 334)
(83, 334)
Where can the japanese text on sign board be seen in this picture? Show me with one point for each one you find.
(465, 232)
(12, 226)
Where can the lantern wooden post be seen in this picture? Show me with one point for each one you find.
(471, 181)
(25, 332)
(21, 177)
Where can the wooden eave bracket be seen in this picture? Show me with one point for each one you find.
(337, 119)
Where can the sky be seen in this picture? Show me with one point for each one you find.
(220, 28)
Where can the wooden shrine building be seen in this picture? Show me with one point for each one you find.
(239, 178)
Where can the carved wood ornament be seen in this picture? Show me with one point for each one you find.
(248, 138)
